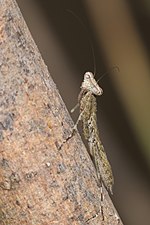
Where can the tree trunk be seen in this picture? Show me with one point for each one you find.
(43, 179)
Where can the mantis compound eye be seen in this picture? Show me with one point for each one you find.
(88, 75)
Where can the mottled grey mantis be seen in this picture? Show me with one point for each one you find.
(88, 108)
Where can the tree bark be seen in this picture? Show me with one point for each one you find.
(43, 179)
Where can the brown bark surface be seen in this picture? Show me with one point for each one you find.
(40, 183)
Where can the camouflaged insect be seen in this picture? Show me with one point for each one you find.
(88, 108)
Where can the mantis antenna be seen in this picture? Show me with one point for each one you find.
(106, 73)
(89, 39)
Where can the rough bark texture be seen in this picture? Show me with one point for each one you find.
(40, 183)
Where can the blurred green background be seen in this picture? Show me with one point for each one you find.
(120, 35)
